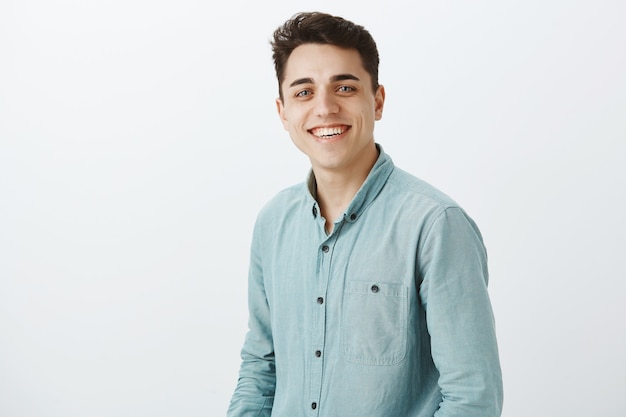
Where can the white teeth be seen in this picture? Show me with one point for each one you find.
(324, 132)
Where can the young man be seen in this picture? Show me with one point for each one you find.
(367, 286)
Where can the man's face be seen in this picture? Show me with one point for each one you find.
(329, 107)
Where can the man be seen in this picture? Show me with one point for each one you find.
(367, 286)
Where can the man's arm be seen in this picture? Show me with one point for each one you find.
(459, 317)
(254, 395)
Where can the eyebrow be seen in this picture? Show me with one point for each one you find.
(342, 77)
(334, 78)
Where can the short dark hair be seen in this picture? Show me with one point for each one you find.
(322, 28)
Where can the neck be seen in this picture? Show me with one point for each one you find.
(337, 187)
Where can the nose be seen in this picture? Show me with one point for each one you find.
(325, 103)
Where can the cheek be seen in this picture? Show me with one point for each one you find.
(296, 119)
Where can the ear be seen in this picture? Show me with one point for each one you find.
(280, 107)
(379, 102)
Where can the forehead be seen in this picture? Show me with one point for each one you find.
(321, 61)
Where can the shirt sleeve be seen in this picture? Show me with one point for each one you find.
(254, 394)
(459, 317)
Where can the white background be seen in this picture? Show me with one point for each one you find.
(138, 140)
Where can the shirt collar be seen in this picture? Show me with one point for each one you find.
(370, 188)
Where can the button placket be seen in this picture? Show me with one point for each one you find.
(325, 251)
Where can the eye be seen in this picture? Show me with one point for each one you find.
(346, 89)
(303, 93)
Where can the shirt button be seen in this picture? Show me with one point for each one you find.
(320, 300)
(318, 353)
(325, 248)
(352, 216)
(375, 288)
(314, 406)
(314, 210)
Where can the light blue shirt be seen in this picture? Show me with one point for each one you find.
(387, 316)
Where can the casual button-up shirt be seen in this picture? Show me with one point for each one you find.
(386, 316)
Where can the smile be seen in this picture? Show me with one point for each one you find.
(329, 132)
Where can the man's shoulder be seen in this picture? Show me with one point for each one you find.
(284, 201)
(291, 194)
(408, 187)
(417, 200)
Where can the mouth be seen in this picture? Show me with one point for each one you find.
(329, 132)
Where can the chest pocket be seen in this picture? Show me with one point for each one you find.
(374, 322)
